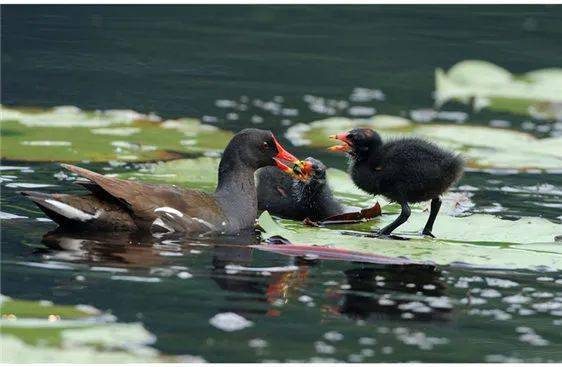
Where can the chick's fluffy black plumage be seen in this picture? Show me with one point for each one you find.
(405, 170)
(286, 197)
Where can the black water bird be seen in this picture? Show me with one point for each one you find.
(405, 170)
(284, 196)
(116, 204)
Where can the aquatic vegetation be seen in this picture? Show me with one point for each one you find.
(70, 134)
(485, 85)
(479, 239)
(45, 332)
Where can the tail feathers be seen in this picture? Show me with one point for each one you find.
(81, 171)
(456, 167)
(59, 208)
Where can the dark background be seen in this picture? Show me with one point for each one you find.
(176, 60)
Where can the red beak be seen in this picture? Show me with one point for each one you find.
(290, 164)
(345, 147)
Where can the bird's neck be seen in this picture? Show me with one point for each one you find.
(315, 198)
(236, 192)
(306, 190)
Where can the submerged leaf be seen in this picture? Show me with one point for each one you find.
(70, 134)
(483, 147)
(333, 253)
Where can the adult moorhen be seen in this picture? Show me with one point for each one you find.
(287, 197)
(116, 204)
(406, 170)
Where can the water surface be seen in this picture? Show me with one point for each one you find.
(189, 60)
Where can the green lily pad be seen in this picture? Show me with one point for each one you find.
(35, 332)
(483, 147)
(536, 93)
(70, 134)
(481, 240)
(32, 309)
(198, 173)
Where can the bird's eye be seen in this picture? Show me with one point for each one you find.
(265, 144)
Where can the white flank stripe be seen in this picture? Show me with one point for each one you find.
(71, 212)
(205, 223)
(167, 209)
(160, 223)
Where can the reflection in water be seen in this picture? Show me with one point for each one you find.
(271, 286)
(129, 249)
(390, 291)
(372, 291)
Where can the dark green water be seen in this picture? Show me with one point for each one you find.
(178, 61)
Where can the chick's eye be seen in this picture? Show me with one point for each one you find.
(265, 144)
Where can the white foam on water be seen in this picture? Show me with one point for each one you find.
(108, 269)
(361, 111)
(333, 336)
(53, 266)
(229, 321)
(502, 283)
(132, 278)
(516, 299)
(184, 275)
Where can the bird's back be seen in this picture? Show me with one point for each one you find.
(416, 170)
(115, 204)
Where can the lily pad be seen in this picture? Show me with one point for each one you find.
(483, 147)
(32, 309)
(35, 332)
(196, 172)
(70, 134)
(536, 93)
(480, 240)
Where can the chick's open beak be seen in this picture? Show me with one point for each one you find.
(345, 147)
(288, 163)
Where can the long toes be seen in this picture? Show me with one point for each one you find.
(388, 236)
(428, 233)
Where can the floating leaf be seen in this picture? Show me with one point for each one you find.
(483, 147)
(44, 332)
(197, 172)
(536, 93)
(70, 134)
(32, 309)
(479, 239)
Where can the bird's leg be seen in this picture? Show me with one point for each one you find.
(435, 206)
(403, 217)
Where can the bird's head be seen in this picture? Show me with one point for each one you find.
(357, 142)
